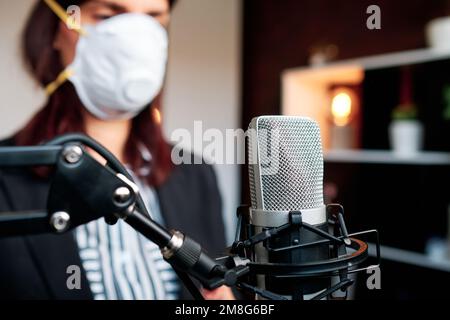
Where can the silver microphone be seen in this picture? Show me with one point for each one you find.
(286, 174)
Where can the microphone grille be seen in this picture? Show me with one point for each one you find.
(285, 163)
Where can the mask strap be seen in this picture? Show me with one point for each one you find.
(62, 77)
(65, 74)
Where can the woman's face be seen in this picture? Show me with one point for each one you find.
(95, 11)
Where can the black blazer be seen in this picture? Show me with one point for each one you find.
(34, 267)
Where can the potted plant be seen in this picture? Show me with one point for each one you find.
(406, 131)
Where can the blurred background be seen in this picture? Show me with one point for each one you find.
(377, 79)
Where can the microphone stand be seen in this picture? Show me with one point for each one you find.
(82, 190)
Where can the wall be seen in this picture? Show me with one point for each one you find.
(20, 96)
(203, 79)
(279, 35)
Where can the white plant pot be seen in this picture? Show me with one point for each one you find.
(438, 34)
(406, 137)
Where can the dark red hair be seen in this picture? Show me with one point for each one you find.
(63, 112)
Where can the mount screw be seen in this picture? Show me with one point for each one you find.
(72, 154)
(60, 221)
(122, 195)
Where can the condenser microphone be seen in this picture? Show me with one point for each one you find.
(286, 175)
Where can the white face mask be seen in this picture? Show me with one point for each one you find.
(119, 65)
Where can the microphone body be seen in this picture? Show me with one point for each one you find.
(286, 174)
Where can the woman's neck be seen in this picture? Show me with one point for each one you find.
(111, 134)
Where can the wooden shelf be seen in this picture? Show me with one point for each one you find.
(386, 157)
(410, 257)
(386, 60)
(306, 90)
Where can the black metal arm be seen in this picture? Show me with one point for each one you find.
(82, 190)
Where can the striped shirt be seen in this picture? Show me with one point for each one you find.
(121, 264)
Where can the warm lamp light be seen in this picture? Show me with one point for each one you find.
(341, 109)
(343, 115)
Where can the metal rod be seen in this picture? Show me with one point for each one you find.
(149, 228)
(29, 156)
(322, 233)
(340, 285)
(20, 223)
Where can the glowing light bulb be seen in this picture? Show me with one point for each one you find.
(341, 109)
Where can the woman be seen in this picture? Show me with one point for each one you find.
(104, 79)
